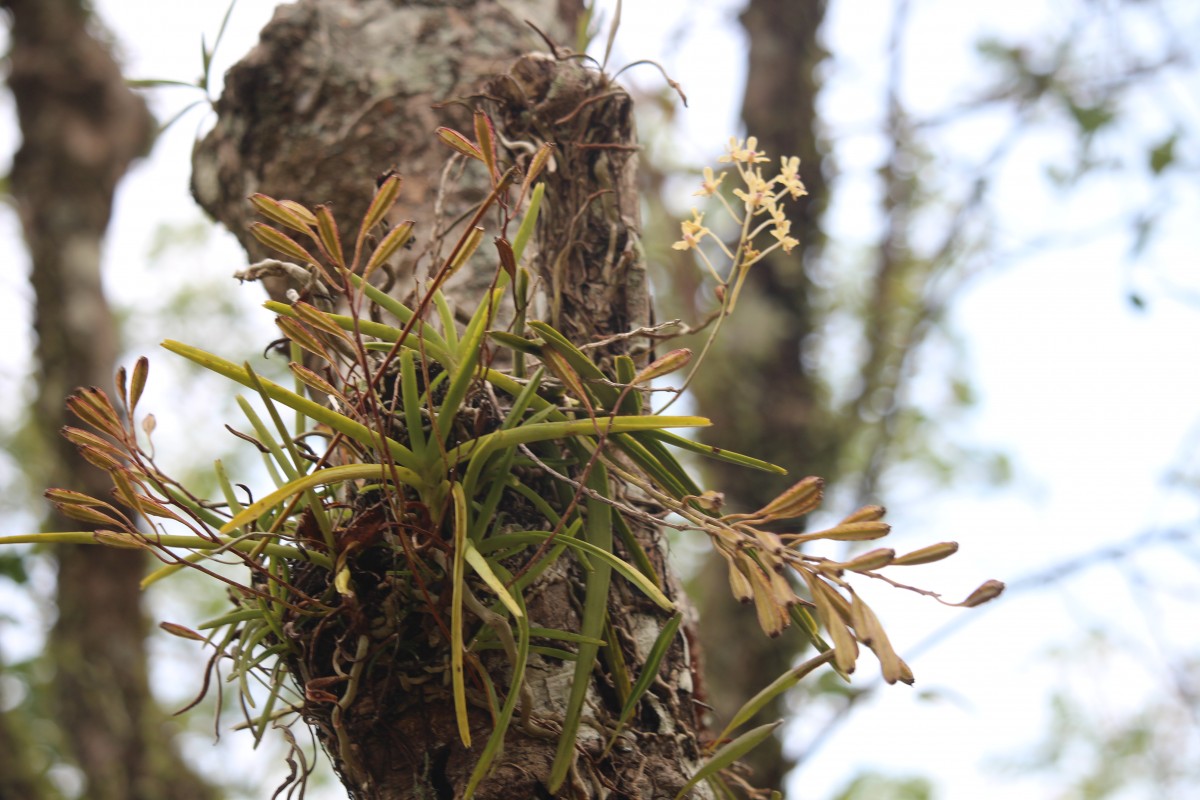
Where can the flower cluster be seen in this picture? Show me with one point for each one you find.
(761, 210)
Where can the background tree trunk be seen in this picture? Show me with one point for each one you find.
(82, 127)
(21, 771)
(335, 94)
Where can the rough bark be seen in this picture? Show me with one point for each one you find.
(338, 91)
(335, 94)
(589, 253)
(776, 411)
(82, 127)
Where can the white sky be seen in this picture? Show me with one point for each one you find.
(1093, 402)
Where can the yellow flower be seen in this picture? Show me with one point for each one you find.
(747, 153)
(758, 191)
(778, 215)
(693, 231)
(709, 187)
(789, 177)
(781, 232)
(733, 147)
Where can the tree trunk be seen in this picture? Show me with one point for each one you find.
(335, 94)
(82, 127)
(21, 771)
(777, 411)
(338, 91)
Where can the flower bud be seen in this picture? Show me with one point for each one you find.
(665, 365)
(927, 555)
(988, 590)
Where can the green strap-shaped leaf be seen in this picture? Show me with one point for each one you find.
(521, 302)
(463, 372)
(495, 489)
(298, 465)
(649, 671)
(517, 343)
(565, 636)
(313, 410)
(777, 687)
(545, 431)
(640, 559)
(626, 372)
(496, 740)
(226, 485)
(528, 222)
(274, 685)
(645, 449)
(654, 460)
(432, 339)
(410, 395)
(614, 662)
(484, 570)
(718, 453)
(730, 753)
(182, 541)
(594, 380)
(322, 477)
(449, 327)
(232, 618)
(644, 584)
(599, 534)
(457, 578)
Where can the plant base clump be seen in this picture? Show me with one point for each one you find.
(458, 577)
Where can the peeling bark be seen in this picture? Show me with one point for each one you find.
(82, 127)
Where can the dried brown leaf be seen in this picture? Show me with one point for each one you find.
(297, 333)
(182, 632)
(396, 238)
(382, 202)
(327, 234)
(459, 143)
(282, 213)
(286, 245)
